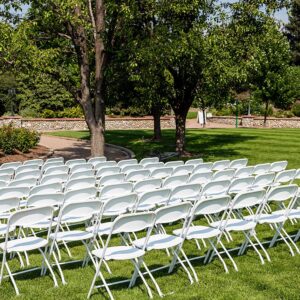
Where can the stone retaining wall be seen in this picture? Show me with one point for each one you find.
(80, 124)
(252, 122)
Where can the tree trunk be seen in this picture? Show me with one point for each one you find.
(180, 119)
(266, 113)
(156, 119)
(97, 140)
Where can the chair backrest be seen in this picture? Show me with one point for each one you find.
(264, 180)
(248, 199)
(127, 162)
(51, 164)
(152, 166)
(23, 183)
(221, 165)
(56, 178)
(39, 200)
(55, 160)
(6, 178)
(201, 178)
(13, 191)
(174, 181)
(138, 175)
(46, 188)
(81, 183)
(153, 198)
(238, 163)
(119, 205)
(202, 168)
(9, 204)
(172, 213)
(149, 160)
(297, 175)
(211, 206)
(241, 184)
(3, 183)
(194, 162)
(11, 165)
(278, 166)
(95, 160)
(162, 172)
(286, 176)
(189, 191)
(244, 172)
(29, 174)
(214, 188)
(174, 164)
(82, 174)
(111, 179)
(73, 162)
(147, 185)
(224, 174)
(115, 190)
(26, 168)
(36, 162)
(133, 167)
(183, 170)
(8, 171)
(282, 193)
(56, 170)
(110, 163)
(81, 167)
(85, 194)
(104, 171)
(261, 169)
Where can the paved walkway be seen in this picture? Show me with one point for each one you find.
(72, 148)
(192, 123)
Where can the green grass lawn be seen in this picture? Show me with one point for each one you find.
(276, 280)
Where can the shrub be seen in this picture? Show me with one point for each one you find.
(296, 109)
(21, 139)
(69, 112)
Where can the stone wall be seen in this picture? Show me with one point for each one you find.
(79, 124)
(249, 121)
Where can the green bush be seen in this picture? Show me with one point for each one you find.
(69, 112)
(296, 109)
(21, 139)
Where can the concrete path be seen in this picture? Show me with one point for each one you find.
(73, 148)
(192, 123)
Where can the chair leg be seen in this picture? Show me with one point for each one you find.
(59, 269)
(297, 236)
(254, 247)
(229, 256)
(189, 264)
(12, 278)
(262, 247)
(49, 267)
(291, 240)
(153, 280)
(219, 256)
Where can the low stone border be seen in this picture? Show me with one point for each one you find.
(129, 153)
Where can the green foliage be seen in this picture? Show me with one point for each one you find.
(296, 109)
(69, 112)
(21, 139)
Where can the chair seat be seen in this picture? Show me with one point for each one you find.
(145, 207)
(72, 220)
(42, 224)
(236, 224)
(119, 253)
(5, 215)
(294, 214)
(275, 217)
(103, 229)
(73, 235)
(25, 244)
(3, 229)
(199, 232)
(158, 241)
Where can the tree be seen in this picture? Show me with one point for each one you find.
(292, 31)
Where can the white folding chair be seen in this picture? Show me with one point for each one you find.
(263, 180)
(26, 168)
(73, 162)
(82, 174)
(215, 188)
(238, 163)
(109, 163)
(183, 170)
(3, 183)
(7, 206)
(95, 160)
(194, 162)
(36, 162)
(284, 177)
(153, 166)
(174, 164)
(51, 164)
(161, 173)
(147, 185)
(278, 166)
(125, 224)
(8, 171)
(297, 175)
(40, 200)
(54, 160)
(36, 174)
(55, 178)
(43, 189)
(5, 177)
(12, 192)
(153, 199)
(239, 185)
(85, 194)
(220, 165)
(20, 219)
(127, 162)
(186, 192)
(201, 178)
(104, 171)
(115, 190)
(133, 167)
(163, 241)
(174, 181)
(30, 182)
(202, 168)
(56, 170)
(111, 179)
(138, 175)
(81, 183)
(81, 168)
(261, 169)
(11, 165)
(244, 172)
(149, 160)
(227, 174)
